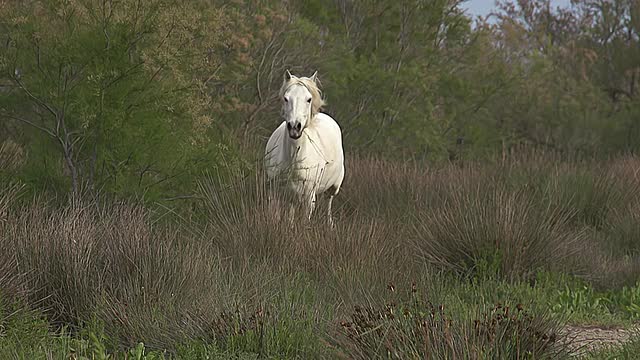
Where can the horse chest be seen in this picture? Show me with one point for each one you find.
(308, 169)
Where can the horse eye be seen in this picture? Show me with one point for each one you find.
(309, 100)
(286, 100)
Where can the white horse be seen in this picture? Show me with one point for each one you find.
(307, 144)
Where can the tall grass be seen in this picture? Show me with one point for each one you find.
(12, 156)
(242, 277)
(83, 260)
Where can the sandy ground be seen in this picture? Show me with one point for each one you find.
(585, 338)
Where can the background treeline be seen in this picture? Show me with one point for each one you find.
(141, 97)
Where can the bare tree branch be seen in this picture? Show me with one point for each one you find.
(30, 123)
(37, 100)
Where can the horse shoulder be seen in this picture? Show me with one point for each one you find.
(328, 129)
(330, 136)
(326, 120)
(327, 142)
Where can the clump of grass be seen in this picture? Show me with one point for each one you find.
(417, 329)
(589, 193)
(144, 282)
(487, 228)
(12, 283)
(385, 189)
(12, 156)
(8, 195)
(622, 233)
(626, 169)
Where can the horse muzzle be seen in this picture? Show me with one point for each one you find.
(294, 130)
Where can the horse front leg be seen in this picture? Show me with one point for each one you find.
(331, 223)
(311, 205)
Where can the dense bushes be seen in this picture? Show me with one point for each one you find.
(110, 96)
(140, 99)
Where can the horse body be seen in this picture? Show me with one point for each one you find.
(315, 161)
(308, 146)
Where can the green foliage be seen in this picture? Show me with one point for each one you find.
(580, 299)
(139, 99)
(568, 96)
(111, 94)
(387, 76)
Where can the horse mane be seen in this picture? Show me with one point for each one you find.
(317, 102)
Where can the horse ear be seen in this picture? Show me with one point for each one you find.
(314, 77)
(287, 75)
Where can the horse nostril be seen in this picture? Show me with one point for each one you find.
(289, 126)
(298, 126)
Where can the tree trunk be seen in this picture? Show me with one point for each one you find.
(73, 170)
